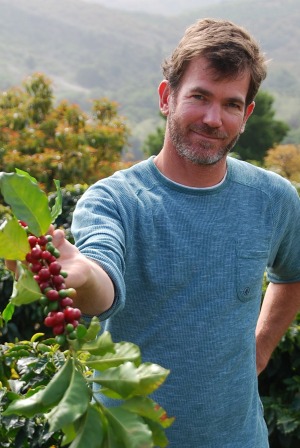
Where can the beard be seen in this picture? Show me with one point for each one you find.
(201, 152)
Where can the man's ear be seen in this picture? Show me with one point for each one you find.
(164, 93)
(248, 113)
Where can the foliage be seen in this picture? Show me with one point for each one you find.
(262, 131)
(27, 319)
(279, 388)
(154, 142)
(42, 385)
(284, 160)
(58, 142)
(280, 391)
(47, 396)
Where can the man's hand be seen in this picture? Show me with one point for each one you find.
(95, 290)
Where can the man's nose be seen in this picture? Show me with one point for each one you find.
(213, 116)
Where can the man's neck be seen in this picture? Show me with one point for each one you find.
(184, 172)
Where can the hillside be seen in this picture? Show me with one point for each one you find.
(165, 7)
(89, 51)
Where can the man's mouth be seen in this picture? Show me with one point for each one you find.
(208, 133)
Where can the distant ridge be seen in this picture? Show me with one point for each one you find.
(162, 7)
(90, 51)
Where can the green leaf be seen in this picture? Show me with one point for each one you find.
(91, 431)
(122, 379)
(124, 351)
(27, 201)
(41, 401)
(73, 404)
(57, 207)
(129, 428)
(18, 346)
(70, 432)
(158, 435)
(127, 380)
(287, 423)
(56, 388)
(101, 345)
(93, 329)
(13, 241)
(151, 377)
(8, 312)
(24, 173)
(111, 439)
(147, 408)
(26, 289)
(36, 336)
(81, 331)
(26, 407)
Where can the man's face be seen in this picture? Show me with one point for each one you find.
(206, 115)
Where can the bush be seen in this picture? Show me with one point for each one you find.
(280, 391)
(27, 319)
(48, 394)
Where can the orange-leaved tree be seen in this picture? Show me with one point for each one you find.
(58, 141)
(285, 160)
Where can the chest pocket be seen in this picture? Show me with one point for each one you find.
(251, 265)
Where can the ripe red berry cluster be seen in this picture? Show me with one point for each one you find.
(56, 299)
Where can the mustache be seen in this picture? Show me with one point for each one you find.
(208, 131)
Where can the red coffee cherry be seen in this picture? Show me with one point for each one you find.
(49, 321)
(59, 318)
(29, 258)
(58, 329)
(46, 255)
(36, 253)
(52, 295)
(32, 240)
(43, 240)
(36, 266)
(55, 268)
(44, 274)
(44, 285)
(72, 314)
(66, 301)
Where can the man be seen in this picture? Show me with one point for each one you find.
(172, 252)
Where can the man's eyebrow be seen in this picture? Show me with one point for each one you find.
(198, 89)
(236, 99)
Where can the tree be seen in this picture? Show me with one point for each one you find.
(154, 141)
(285, 160)
(62, 141)
(262, 131)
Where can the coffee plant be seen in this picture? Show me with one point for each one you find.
(47, 385)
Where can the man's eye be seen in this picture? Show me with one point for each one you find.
(234, 105)
(198, 97)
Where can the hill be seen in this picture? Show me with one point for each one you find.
(165, 7)
(89, 50)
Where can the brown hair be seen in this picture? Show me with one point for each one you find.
(229, 49)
